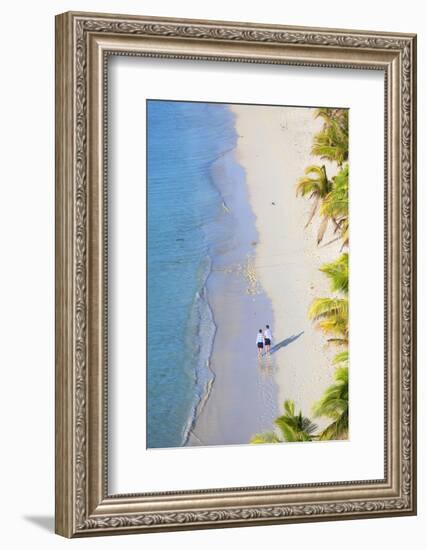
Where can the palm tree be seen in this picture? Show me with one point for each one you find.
(315, 183)
(334, 405)
(293, 427)
(331, 315)
(331, 143)
(335, 204)
(337, 273)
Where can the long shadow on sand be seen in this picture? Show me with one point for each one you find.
(285, 342)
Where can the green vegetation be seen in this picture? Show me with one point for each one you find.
(331, 313)
(337, 272)
(331, 143)
(316, 185)
(334, 405)
(335, 205)
(293, 427)
(329, 196)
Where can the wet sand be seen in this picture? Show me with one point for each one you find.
(243, 396)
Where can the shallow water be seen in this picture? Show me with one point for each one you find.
(183, 207)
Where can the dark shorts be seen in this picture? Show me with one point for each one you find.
(267, 341)
(260, 345)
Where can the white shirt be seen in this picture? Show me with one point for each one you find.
(259, 338)
(267, 334)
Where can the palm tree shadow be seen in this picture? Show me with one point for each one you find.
(285, 342)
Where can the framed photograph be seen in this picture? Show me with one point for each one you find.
(235, 274)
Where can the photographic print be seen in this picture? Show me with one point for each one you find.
(248, 254)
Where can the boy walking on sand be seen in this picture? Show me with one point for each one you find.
(267, 338)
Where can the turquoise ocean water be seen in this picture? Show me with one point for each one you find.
(184, 140)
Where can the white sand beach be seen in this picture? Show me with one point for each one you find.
(274, 148)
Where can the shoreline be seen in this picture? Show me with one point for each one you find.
(204, 375)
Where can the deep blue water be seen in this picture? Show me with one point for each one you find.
(184, 139)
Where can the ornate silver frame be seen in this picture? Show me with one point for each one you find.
(83, 505)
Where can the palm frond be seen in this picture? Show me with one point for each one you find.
(336, 327)
(331, 316)
(315, 182)
(289, 433)
(341, 358)
(331, 142)
(295, 427)
(336, 430)
(336, 203)
(289, 407)
(334, 405)
(327, 308)
(337, 272)
(267, 437)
